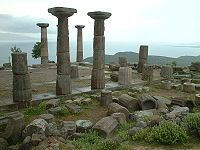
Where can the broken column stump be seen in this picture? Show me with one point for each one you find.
(189, 87)
(115, 108)
(106, 97)
(125, 76)
(129, 102)
(147, 73)
(146, 102)
(22, 91)
(106, 126)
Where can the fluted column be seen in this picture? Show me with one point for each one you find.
(44, 43)
(63, 81)
(98, 75)
(143, 55)
(79, 57)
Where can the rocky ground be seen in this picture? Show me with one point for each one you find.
(156, 116)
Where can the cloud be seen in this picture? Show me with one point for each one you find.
(23, 24)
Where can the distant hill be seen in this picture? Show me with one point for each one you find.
(160, 60)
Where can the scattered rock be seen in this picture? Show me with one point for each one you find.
(47, 117)
(69, 128)
(37, 126)
(133, 131)
(52, 103)
(177, 111)
(86, 101)
(106, 97)
(83, 125)
(146, 102)
(73, 108)
(141, 124)
(26, 144)
(120, 117)
(106, 126)
(141, 115)
(55, 110)
(114, 76)
(114, 108)
(129, 102)
(189, 87)
(52, 130)
(35, 140)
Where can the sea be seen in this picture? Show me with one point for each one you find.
(158, 49)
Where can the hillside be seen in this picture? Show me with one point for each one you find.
(160, 60)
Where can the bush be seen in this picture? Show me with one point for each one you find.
(108, 144)
(192, 122)
(36, 50)
(15, 49)
(167, 133)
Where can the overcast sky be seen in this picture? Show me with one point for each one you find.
(131, 20)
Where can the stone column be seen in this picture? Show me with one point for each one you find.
(147, 73)
(21, 80)
(98, 75)
(143, 55)
(63, 81)
(44, 43)
(79, 57)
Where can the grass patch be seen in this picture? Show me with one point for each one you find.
(122, 131)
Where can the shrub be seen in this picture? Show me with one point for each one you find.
(108, 144)
(192, 122)
(36, 50)
(88, 140)
(167, 133)
(15, 49)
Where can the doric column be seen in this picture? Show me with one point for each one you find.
(143, 55)
(79, 57)
(98, 75)
(22, 91)
(63, 81)
(44, 43)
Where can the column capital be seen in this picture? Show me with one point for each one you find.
(99, 15)
(79, 26)
(62, 11)
(42, 25)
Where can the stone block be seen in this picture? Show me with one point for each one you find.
(125, 75)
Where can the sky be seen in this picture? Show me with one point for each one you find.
(175, 21)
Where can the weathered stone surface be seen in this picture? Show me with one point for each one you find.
(55, 110)
(143, 55)
(163, 100)
(69, 128)
(52, 130)
(98, 76)
(106, 97)
(133, 131)
(15, 125)
(125, 75)
(79, 57)
(116, 108)
(26, 144)
(197, 97)
(22, 95)
(114, 67)
(21, 82)
(47, 117)
(63, 82)
(52, 103)
(147, 73)
(106, 126)
(73, 108)
(3, 144)
(166, 85)
(177, 86)
(129, 102)
(74, 71)
(83, 125)
(123, 62)
(19, 63)
(114, 76)
(120, 117)
(44, 43)
(141, 124)
(98, 79)
(35, 139)
(189, 87)
(141, 115)
(166, 72)
(146, 102)
(63, 85)
(37, 126)
(177, 111)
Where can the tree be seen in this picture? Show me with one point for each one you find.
(36, 50)
(15, 49)
(174, 63)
